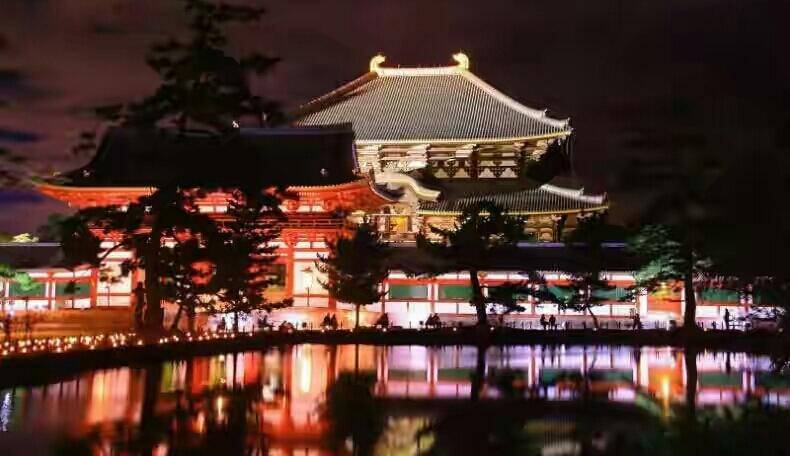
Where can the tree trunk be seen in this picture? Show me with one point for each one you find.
(356, 318)
(176, 319)
(690, 309)
(595, 319)
(480, 371)
(153, 304)
(477, 298)
(148, 419)
(235, 322)
(691, 379)
(191, 317)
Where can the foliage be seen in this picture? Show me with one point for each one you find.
(188, 280)
(244, 256)
(482, 231)
(583, 293)
(586, 286)
(352, 412)
(151, 228)
(751, 429)
(473, 431)
(355, 268)
(24, 282)
(668, 260)
(199, 83)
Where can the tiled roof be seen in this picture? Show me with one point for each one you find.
(544, 199)
(394, 105)
(136, 157)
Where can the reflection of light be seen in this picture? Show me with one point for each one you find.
(200, 423)
(307, 277)
(665, 386)
(161, 449)
(220, 402)
(305, 369)
(5, 412)
(665, 394)
(267, 393)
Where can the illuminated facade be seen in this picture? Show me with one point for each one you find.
(402, 148)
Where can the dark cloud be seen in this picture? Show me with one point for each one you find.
(9, 197)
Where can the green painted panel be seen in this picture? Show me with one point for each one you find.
(552, 376)
(720, 379)
(406, 374)
(408, 292)
(560, 292)
(625, 376)
(80, 289)
(456, 292)
(773, 381)
(719, 295)
(34, 289)
(455, 374)
(614, 294)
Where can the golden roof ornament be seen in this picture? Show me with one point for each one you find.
(462, 59)
(375, 63)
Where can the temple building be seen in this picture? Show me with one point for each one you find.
(401, 148)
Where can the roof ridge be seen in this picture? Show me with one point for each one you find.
(537, 114)
(419, 71)
(319, 103)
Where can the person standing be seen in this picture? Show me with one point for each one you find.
(727, 319)
(552, 322)
(139, 304)
(543, 321)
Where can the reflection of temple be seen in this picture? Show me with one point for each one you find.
(289, 385)
(402, 148)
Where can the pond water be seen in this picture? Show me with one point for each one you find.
(399, 400)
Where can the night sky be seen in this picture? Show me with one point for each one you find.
(628, 73)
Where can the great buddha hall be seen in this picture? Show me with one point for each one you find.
(401, 148)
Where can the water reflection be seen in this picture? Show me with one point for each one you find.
(315, 400)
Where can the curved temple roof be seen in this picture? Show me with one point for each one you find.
(416, 105)
(134, 157)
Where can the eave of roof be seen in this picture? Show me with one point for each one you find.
(544, 200)
(145, 158)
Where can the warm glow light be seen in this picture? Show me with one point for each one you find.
(305, 373)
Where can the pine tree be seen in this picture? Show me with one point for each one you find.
(669, 260)
(150, 228)
(587, 287)
(243, 256)
(482, 231)
(201, 86)
(355, 268)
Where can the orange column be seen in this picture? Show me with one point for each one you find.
(94, 286)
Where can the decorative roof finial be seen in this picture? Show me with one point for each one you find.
(462, 59)
(375, 63)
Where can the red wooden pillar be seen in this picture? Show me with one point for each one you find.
(290, 242)
(94, 287)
